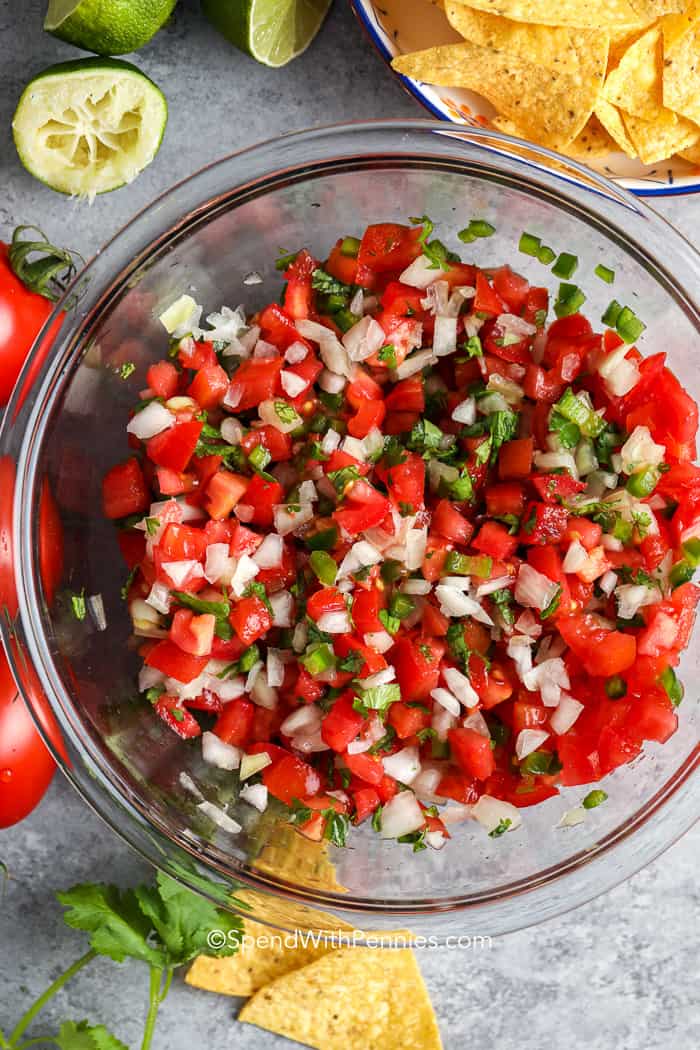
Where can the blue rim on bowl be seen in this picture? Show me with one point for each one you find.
(644, 181)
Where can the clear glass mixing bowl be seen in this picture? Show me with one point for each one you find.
(203, 237)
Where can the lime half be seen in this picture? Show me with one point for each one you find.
(272, 31)
(90, 126)
(107, 27)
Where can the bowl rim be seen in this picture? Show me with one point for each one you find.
(28, 585)
(364, 11)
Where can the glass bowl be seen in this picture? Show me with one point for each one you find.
(203, 237)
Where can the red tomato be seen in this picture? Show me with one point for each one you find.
(224, 491)
(487, 301)
(369, 415)
(553, 488)
(255, 380)
(387, 246)
(234, 725)
(174, 663)
(170, 709)
(448, 521)
(459, 787)
(472, 752)
(26, 767)
(263, 496)
(209, 386)
(512, 288)
(175, 447)
(362, 508)
(193, 634)
(495, 540)
(365, 766)
(250, 619)
(342, 267)
(124, 491)
(506, 498)
(515, 459)
(163, 379)
(600, 650)
(365, 802)
(290, 778)
(298, 295)
(407, 721)
(407, 396)
(417, 666)
(342, 723)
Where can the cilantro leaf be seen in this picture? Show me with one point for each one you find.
(81, 1035)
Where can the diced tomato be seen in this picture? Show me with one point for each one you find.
(407, 396)
(234, 725)
(298, 294)
(342, 723)
(448, 521)
(250, 619)
(209, 386)
(600, 650)
(506, 498)
(543, 523)
(170, 709)
(365, 766)
(342, 267)
(171, 483)
(386, 246)
(289, 778)
(459, 787)
(344, 644)
(402, 300)
(365, 611)
(307, 688)
(554, 488)
(512, 288)
(278, 328)
(181, 543)
(363, 507)
(472, 752)
(433, 623)
(495, 540)
(256, 379)
(163, 379)
(174, 663)
(124, 490)
(365, 802)
(487, 301)
(175, 447)
(370, 415)
(417, 666)
(405, 482)
(193, 634)
(587, 532)
(406, 720)
(278, 444)
(196, 354)
(262, 496)
(224, 491)
(515, 459)
(363, 388)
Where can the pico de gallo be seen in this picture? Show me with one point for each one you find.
(413, 544)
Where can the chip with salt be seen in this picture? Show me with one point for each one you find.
(692, 154)
(558, 48)
(658, 8)
(593, 142)
(551, 107)
(635, 85)
(681, 75)
(264, 955)
(595, 14)
(655, 140)
(611, 119)
(351, 999)
(676, 26)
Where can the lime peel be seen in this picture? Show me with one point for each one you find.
(107, 27)
(271, 31)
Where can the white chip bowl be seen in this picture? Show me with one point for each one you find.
(397, 27)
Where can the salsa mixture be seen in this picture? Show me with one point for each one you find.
(415, 535)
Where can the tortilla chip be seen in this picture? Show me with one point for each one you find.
(264, 955)
(611, 119)
(552, 108)
(594, 140)
(675, 27)
(692, 155)
(621, 40)
(658, 8)
(681, 76)
(558, 48)
(585, 14)
(657, 140)
(351, 999)
(636, 84)
(291, 856)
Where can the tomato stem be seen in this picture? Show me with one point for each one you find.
(50, 272)
(43, 999)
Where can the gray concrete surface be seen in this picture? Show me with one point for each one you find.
(618, 974)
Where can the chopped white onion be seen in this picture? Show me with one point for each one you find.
(491, 812)
(219, 817)
(217, 753)
(511, 393)
(640, 451)
(489, 586)
(364, 339)
(333, 354)
(275, 668)
(178, 571)
(527, 624)
(478, 723)
(465, 412)
(331, 382)
(262, 694)
(330, 442)
(287, 520)
(380, 641)
(403, 765)
(519, 649)
(454, 602)
(528, 740)
(619, 375)
(335, 622)
(383, 677)
(549, 677)
(306, 718)
(533, 588)
(565, 715)
(631, 597)
(227, 689)
(148, 677)
(292, 384)
(295, 353)
(270, 552)
(572, 817)
(547, 461)
(416, 543)
(445, 336)
(401, 815)
(416, 586)
(447, 700)
(245, 571)
(151, 420)
(415, 363)
(159, 597)
(281, 603)
(608, 582)
(442, 721)
(218, 564)
(252, 764)
(461, 687)
(421, 273)
(354, 447)
(576, 557)
(280, 414)
(255, 795)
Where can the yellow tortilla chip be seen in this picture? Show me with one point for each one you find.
(558, 48)
(552, 108)
(585, 14)
(675, 27)
(636, 84)
(692, 155)
(658, 8)
(351, 999)
(681, 76)
(291, 856)
(611, 119)
(657, 140)
(594, 140)
(264, 955)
